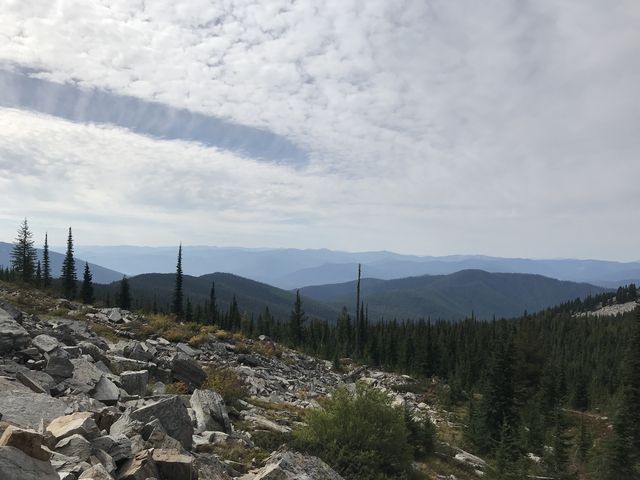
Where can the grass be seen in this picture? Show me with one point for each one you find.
(225, 381)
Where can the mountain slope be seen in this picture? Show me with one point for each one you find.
(100, 274)
(453, 296)
(251, 296)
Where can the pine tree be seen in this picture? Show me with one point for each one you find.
(234, 318)
(213, 305)
(125, 294)
(559, 462)
(46, 265)
(23, 255)
(69, 275)
(39, 275)
(188, 312)
(296, 321)
(86, 291)
(178, 295)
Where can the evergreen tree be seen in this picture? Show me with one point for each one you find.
(39, 275)
(213, 304)
(559, 462)
(177, 293)
(498, 403)
(234, 318)
(125, 294)
(23, 254)
(46, 265)
(188, 312)
(86, 291)
(296, 321)
(69, 275)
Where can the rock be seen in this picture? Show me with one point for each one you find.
(97, 472)
(106, 391)
(95, 352)
(187, 370)
(211, 413)
(266, 423)
(13, 336)
(140, 467)
(249, 360)
(59, 365)
(173, 464)
(121, 364)
(26, 408)
(135, 383)
(470, 460)
(45, 343)
(118, 447)
(172, 414)
(17, 465)
(115, 315)
(74, 446)
(81, 423)
(187, 350)
(29, 441)
(139, 351)
(85, 375)
(105, 460)
(286, 465)
(39, 382)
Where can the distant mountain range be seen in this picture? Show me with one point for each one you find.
(449, 297)
(453, 296)
(293, 268)
(100, 274)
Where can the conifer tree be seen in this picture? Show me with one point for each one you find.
(559, 462)
(213, 304)
(178, 294)
(46, 265)
(69, 275)
(296, 321)
(188, 313)
(23, 255)
(125, 294)
(234, 318)
(86, 291)
(38, 275)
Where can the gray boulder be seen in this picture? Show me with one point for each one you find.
(135, 383)
(140, 467)
(210, 411)
(287, 465)
(45, 343)
(59, 365)
(187, 370)
(171, 412)
(174, 464)
(106, 391)
(39, 382)
(74, 446)
(15, 464)
(118, 447)
(97, 472)
(20, 405)
(13, 336)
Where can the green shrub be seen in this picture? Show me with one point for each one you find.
(225, 381)
(361, 435)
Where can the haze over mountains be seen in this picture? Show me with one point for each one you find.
(295, 268)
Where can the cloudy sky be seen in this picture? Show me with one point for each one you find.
(436, 127)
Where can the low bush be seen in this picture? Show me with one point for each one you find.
(225, 381)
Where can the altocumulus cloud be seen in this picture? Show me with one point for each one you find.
(422, 126)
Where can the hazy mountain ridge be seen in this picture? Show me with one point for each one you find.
(294, 268)
(454, 296)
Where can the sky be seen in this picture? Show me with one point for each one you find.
(433, 127)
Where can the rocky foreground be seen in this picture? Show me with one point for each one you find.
(75, 405)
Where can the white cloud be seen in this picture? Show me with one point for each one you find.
(433, 127)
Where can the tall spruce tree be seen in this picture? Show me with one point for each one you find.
(23, 254)
(86, 291)
(69, 276)
(178, 294)
(213, 305)
(38, 277)
(296, 321)
(46, 263)
(125, 294)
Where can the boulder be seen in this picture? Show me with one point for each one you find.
(106, 391)
(20, 405)
(95, 352)
(81, 423)
(13, 336)
(15, 464)
(85, 375)
(59, 365)
(172, 414)
(104, 459)
(286, 465)
(173, 464)
(121, 364)
(45, 343)
(187, 370)
(118, 447)
(29, 441)
(140, 467)
(210, 411)
(74, 446)
(39, 382)
(97, 472)
(139, 351)
(135, 383)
